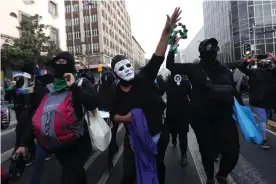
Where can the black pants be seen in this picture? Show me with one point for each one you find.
(129, 172)
(23, 117)
(113, 146)
(72, 161)
(183, 140)
(179, 125)
(217, 135)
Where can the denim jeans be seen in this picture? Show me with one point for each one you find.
(38, 169)
(262, 115)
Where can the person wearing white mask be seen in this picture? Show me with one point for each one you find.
(140, 91)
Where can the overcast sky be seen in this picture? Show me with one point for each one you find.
(148, 19)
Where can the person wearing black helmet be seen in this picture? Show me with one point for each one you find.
(213, 89)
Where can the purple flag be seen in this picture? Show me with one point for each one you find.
(144, 147)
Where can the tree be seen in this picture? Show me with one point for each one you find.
(137, 65)
(33, 45)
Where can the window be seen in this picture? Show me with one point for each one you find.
(94, 32)
(68, 22)
(69, 36)
(88, 47)
(75, 8)
(259, 11)
(70, 49)
(94, 18)
(68, 8)
(54, 35)
(76, 21)
(52, 8)
(267, 10)
(76, 35)
(78, 49)
(87, 33)
(86, 19)
(273, 12)
(95, 46)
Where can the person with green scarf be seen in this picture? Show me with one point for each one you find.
(76, 154)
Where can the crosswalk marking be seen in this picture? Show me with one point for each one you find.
(96, 154)
(106, 174)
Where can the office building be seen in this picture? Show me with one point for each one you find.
(97, 30)
(52, 12)
(234, 23)
(138, 54)
(190, 53)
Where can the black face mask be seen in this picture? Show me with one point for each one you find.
(209, 55)
(61, 69)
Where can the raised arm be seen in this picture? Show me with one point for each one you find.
(180, 68)
(150, 71)
(243, 66)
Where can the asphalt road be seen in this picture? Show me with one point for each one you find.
(8, 135)
(255, 166)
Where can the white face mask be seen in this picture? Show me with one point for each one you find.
(124, 70)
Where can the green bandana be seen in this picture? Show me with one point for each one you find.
(60, 83)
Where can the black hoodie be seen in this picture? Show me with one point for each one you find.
(201, 106)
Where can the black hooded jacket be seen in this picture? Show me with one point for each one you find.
(106, 91)
(262, 86)
(198, 73)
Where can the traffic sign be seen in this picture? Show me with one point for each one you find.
(100, 68)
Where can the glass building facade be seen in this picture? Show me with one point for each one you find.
(230, 22)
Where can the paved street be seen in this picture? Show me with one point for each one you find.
(8, 135)
(255, 166)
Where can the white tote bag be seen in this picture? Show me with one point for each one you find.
(99, 131)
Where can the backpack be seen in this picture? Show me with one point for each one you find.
(55, 122)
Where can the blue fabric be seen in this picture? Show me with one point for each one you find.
(247, 123)
(144, 148)
(262, 115)
(38, 169)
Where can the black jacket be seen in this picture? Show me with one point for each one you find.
(144, 95)
(198, 73)
(106, 92)
(85, 96)
(262, 86)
